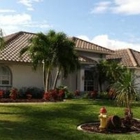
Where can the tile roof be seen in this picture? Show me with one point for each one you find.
(15, 42)
(91, 47)
(128, 57)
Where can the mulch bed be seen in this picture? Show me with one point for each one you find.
(93, 127)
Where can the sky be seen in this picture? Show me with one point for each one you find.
(114, 24)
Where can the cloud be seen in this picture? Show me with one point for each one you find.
(101, 7)
(17, 19)
(105, 41)
(28, 3)
(7, 11)
(15, 22)
(126, 7)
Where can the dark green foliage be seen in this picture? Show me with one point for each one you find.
(125, 88)
(36, 93)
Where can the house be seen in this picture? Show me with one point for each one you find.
(129, 58)
(16, 71)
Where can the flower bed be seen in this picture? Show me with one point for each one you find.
(93, 127)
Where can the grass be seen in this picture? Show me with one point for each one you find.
(57, 121)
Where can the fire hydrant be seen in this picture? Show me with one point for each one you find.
(103, 118)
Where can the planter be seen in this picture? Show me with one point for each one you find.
(114, 122)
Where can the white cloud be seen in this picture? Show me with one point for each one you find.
(101, 7)
(7, 11)
(15, 22)
(16, 19)
(105, 41)
(28, 3)
(127, 7)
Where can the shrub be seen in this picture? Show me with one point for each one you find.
(34, 92)
(13, 93)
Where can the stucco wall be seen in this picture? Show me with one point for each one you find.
(24, 76)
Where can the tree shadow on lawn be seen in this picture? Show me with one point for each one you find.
(57, 123)
(105, 102)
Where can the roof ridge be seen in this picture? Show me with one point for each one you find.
(16, 35)
(133, 60)
(13, 37)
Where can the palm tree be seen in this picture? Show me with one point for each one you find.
(53, 51)
(66, 57)
(126, 88)
(2, 43)
(102, 70)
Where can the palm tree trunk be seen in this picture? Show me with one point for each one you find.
(44, 76)
(56, 78)
(47, 80)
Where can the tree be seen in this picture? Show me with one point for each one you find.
(102, 70)
(66, 57)
(125, 89)
(109, 71)
(52, 50)
(2, 43)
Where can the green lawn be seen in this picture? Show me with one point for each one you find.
(57, 121)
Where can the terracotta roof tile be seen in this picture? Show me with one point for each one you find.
(128, 57)
(15, 42)
(88, 46)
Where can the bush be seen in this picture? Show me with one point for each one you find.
(35, 92)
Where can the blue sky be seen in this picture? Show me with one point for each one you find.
(110, 23)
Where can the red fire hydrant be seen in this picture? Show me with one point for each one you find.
(103, 118)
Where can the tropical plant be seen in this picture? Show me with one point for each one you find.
(2, 43)
(52, 50)
(126, 89)
(65, 57)
(101, 69)
(109, 71)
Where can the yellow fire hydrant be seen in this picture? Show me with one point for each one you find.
(103, 118)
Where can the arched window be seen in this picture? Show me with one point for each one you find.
(5, 76)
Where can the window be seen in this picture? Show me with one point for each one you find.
(89, 81)
(5, 76)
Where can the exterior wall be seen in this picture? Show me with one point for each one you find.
(24, 76)
(70, 82)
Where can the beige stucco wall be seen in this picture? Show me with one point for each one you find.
(24, 76)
